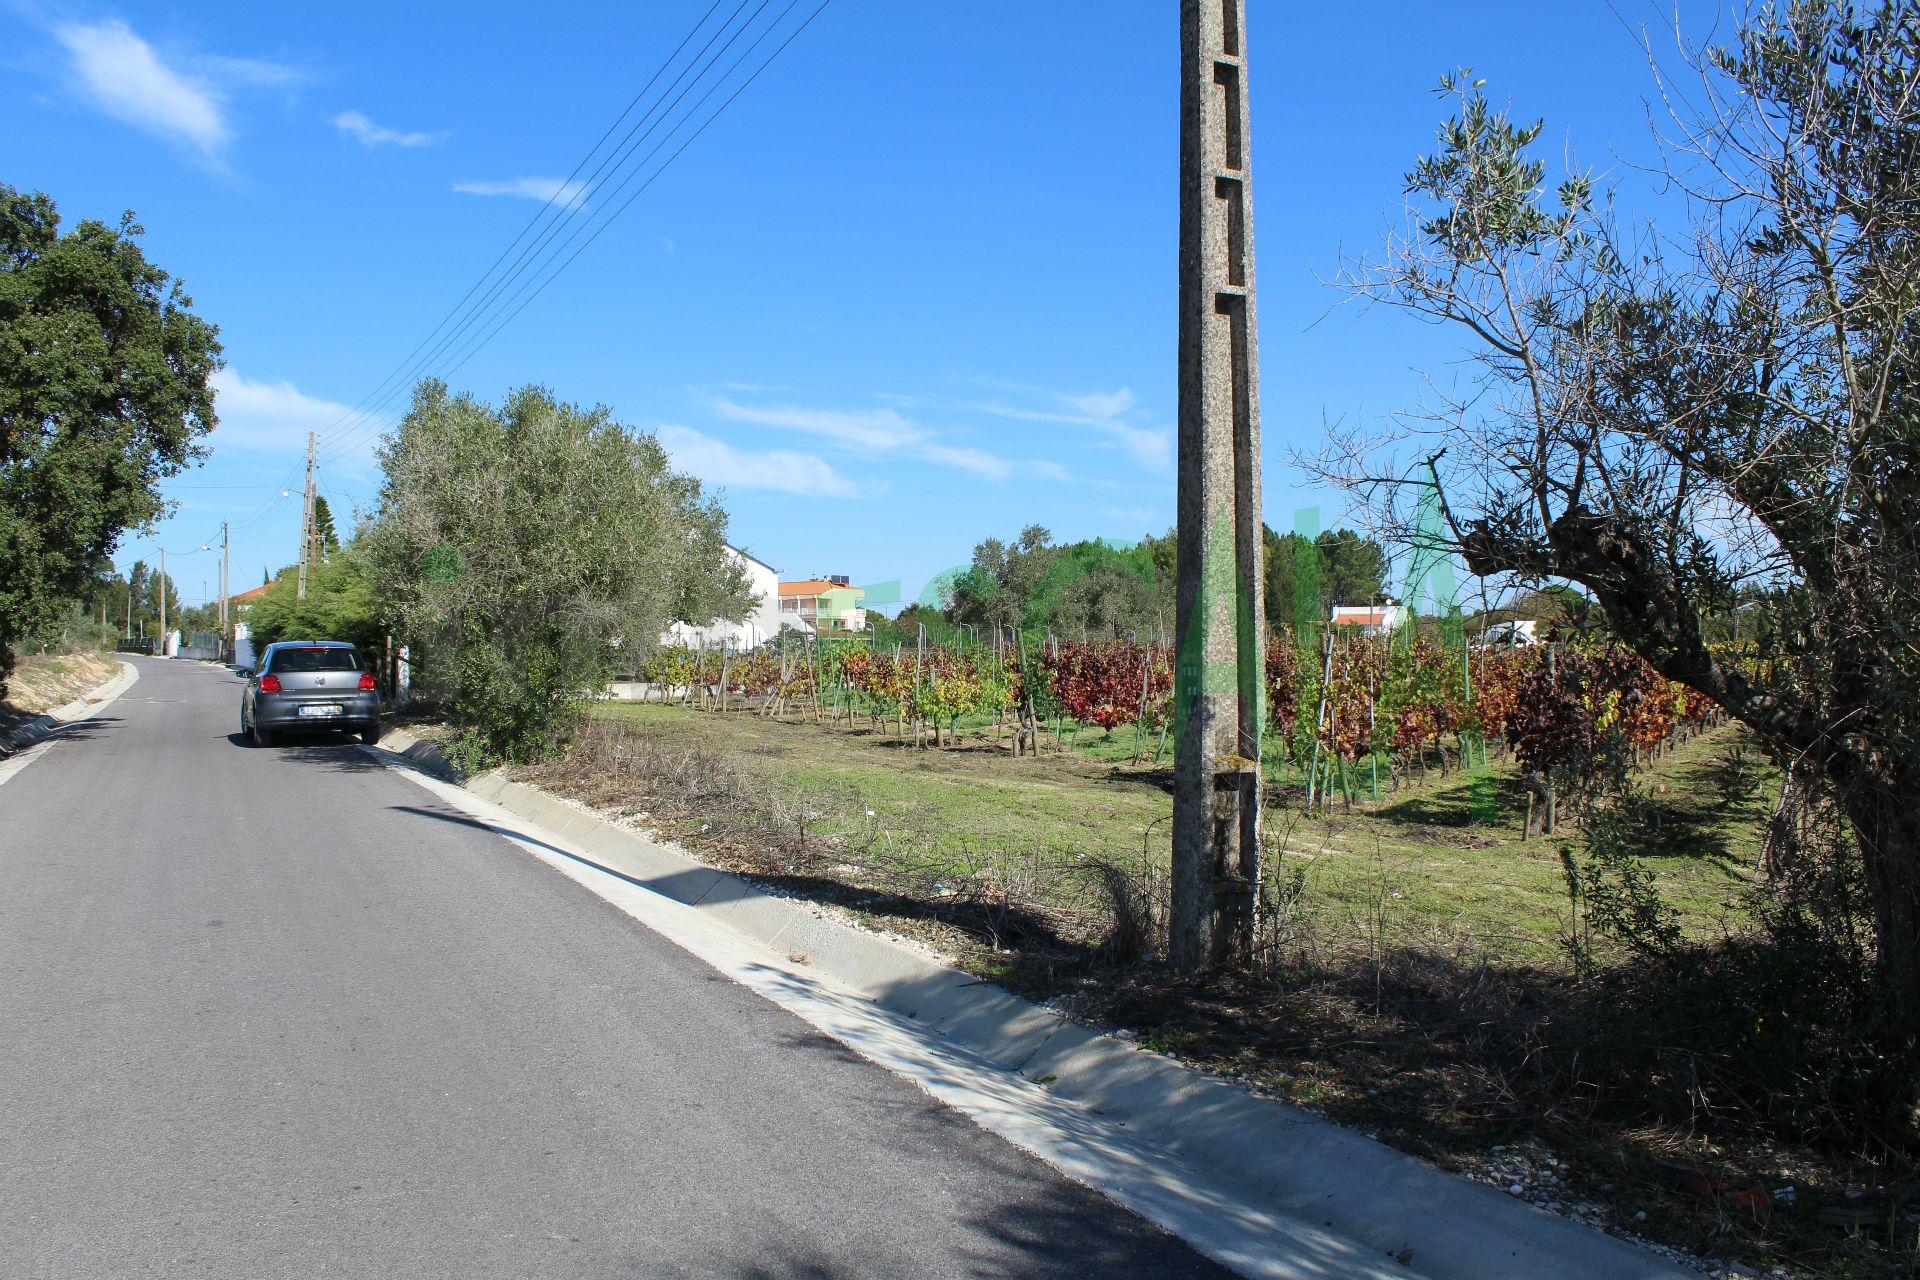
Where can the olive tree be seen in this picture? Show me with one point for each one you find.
(1669, 418)
(518, 550)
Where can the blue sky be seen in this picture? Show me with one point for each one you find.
(915, 287)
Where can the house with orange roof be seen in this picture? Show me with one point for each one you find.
(1371, 619)
(824, 605)
(239, 604)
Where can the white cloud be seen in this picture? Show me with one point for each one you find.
(1148, 518)
(1109, 404)
(565, 194)
(251, 71)
(356, 125)
(878, 429)
(1105, 412)
(182, 98)
(781, 470)
(974, 460)
(274, 417)
(871, 431)
(122, 76)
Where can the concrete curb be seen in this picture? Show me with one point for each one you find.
(36, 729)
(1455, 1229)
(424, 756)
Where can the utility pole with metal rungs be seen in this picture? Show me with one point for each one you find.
(1220, 673)
(306, 525)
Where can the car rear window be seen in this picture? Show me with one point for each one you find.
(315, 659)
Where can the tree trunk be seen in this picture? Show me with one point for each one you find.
(1886, 823)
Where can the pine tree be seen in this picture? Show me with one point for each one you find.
(324, 537)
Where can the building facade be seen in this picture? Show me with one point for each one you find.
(761, 624)
(823, 606)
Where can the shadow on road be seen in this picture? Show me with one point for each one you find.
(459, 819)
(1024, 1220)
(330, 750)
(83, 729)
(74, 731)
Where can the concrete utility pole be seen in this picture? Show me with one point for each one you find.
(163, 602)
(226, 582)
(306, 525)
(1221, 669)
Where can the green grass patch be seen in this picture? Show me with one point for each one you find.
(1443, 854)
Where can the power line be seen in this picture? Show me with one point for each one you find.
(542, 212)
(410, 369)
(360, 422)
(465, 351)
(556, 273)
(594, 183)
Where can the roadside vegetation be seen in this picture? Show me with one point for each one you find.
(340, 604)
(1454, 865)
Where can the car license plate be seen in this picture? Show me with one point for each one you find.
(321, 709)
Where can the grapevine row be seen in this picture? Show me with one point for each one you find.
(1557, 709)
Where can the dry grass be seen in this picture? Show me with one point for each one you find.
(41, 682)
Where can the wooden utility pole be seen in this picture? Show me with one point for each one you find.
(1221, 672)
(306, 524)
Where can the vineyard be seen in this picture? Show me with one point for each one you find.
(1349, 717)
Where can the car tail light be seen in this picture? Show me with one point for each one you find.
(366, 682)
(269, 684)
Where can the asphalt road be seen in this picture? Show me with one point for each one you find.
(281, 1013)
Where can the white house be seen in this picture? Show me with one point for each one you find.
(761, 624)
(1517, 634)
(1372, 619)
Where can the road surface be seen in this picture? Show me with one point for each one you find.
(283, 1013)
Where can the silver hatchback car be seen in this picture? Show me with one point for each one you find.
(310, 684)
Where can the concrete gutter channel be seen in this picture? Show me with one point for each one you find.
(1296, 1163)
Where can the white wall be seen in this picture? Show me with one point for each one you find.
(759, 626)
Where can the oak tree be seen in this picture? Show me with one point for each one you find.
(104, 392)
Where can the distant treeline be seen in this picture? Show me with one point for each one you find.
(1100, 588)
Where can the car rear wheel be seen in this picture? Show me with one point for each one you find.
(371, 734)
(262, 737)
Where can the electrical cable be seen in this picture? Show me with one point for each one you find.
(718, 84)
(409, 370)
(528, 266)
(583, 212)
